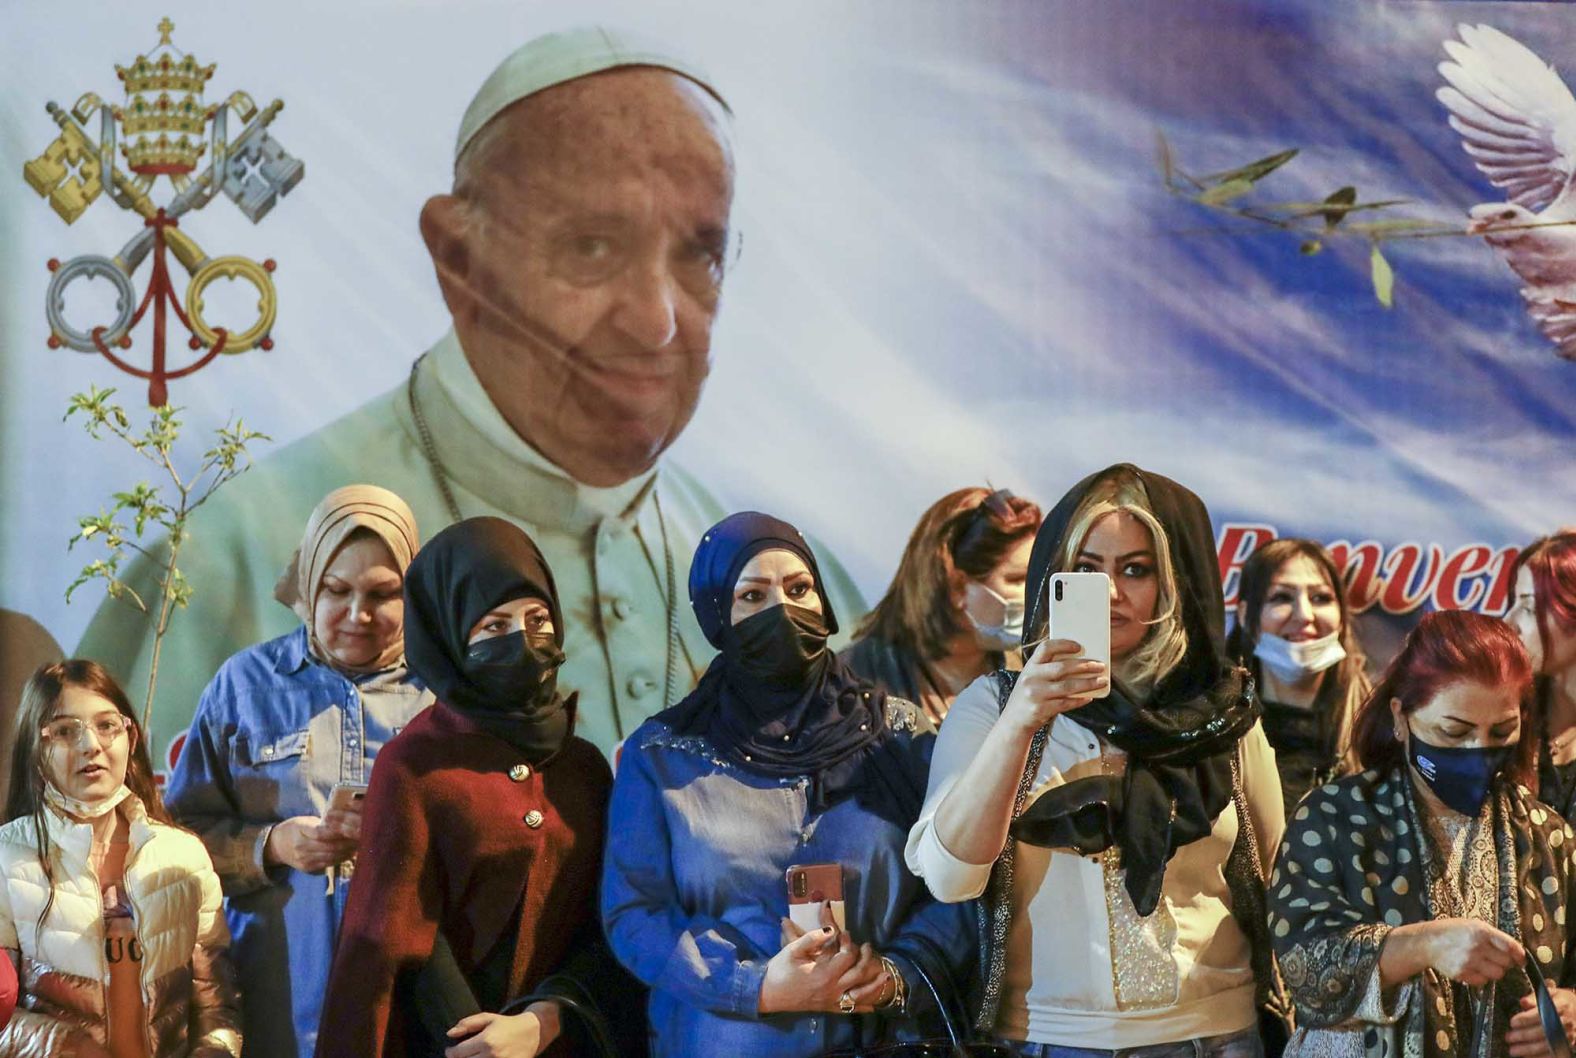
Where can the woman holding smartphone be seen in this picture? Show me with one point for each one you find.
(281, 725)
(782, 771)
(1117, 821)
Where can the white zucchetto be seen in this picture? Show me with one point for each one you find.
(554, 58)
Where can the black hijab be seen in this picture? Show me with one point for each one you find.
(507, 685)
(826, 723)
(1180, 738)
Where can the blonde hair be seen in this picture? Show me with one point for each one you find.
(1165, 644)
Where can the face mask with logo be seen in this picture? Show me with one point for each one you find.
(778, 646)
(514, 671)
(1295, 662)
(1460, 776)
(1003, 636)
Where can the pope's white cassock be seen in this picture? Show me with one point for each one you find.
(610, 550)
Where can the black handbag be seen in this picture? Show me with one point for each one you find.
(597, 1031)
(957, 1044)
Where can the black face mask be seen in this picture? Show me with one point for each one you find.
(514, 672)
(778, 646)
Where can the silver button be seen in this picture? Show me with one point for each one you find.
(351, 740)
(621, 608)
(533, 819)
(787, 738)
(864, 727)
(520, 772)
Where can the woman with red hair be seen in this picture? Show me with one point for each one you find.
(1402, 891)
(1544, 615)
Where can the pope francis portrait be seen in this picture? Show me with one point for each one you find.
(581, 253)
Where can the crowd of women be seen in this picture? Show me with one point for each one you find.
(960, 835)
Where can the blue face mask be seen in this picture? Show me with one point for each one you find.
(1460, 776)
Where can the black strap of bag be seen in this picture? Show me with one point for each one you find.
(959, 1041)
(592, 1021)
(1548, 1013)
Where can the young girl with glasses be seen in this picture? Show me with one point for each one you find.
(109, 912)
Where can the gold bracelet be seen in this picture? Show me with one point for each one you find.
(899, 999)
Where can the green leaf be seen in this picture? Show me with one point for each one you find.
(1224, 192)
(1383, 277)
(1342, 199)
(1311, 247)
(1254, 170)
(1394, 225)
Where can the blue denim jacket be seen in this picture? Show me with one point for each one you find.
(693, 893)
(274, 732)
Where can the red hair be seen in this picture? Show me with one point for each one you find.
(1552, 562)
(1446, 648)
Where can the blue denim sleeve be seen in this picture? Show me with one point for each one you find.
(945, 938)
(699, 959)
(201, 795)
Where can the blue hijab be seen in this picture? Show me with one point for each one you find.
(832, 728)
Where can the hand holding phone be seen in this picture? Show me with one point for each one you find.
(1071, 666)
(809, 886)
(342, 821)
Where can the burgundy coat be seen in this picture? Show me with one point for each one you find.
(458, 830)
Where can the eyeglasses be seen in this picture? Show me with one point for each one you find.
(70, 731)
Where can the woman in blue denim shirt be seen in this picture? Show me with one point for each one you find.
(781, 757)
(280, 725)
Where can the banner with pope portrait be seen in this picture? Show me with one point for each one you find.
(1316, 261)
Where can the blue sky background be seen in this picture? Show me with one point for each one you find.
(959, 263)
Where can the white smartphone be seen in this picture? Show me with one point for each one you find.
(1080, 610)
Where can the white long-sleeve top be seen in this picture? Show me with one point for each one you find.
(1082, 968)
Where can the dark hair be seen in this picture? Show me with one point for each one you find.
(1342, 694)
(1447, 648)
(40, 696)
(968, 531)
(1552, 563)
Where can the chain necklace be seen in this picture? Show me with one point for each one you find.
(441, 476)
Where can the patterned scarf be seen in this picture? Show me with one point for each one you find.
(1356, 864)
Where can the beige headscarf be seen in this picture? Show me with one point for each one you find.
(341, 513)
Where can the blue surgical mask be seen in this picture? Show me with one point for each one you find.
(1003, 636)
(1460, 776)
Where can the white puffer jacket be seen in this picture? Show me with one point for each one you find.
(188, 987)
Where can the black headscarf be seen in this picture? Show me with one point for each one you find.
(827, 723)
(509, 684)
(1180, 738)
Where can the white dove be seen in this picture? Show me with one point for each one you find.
(1517, 120)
